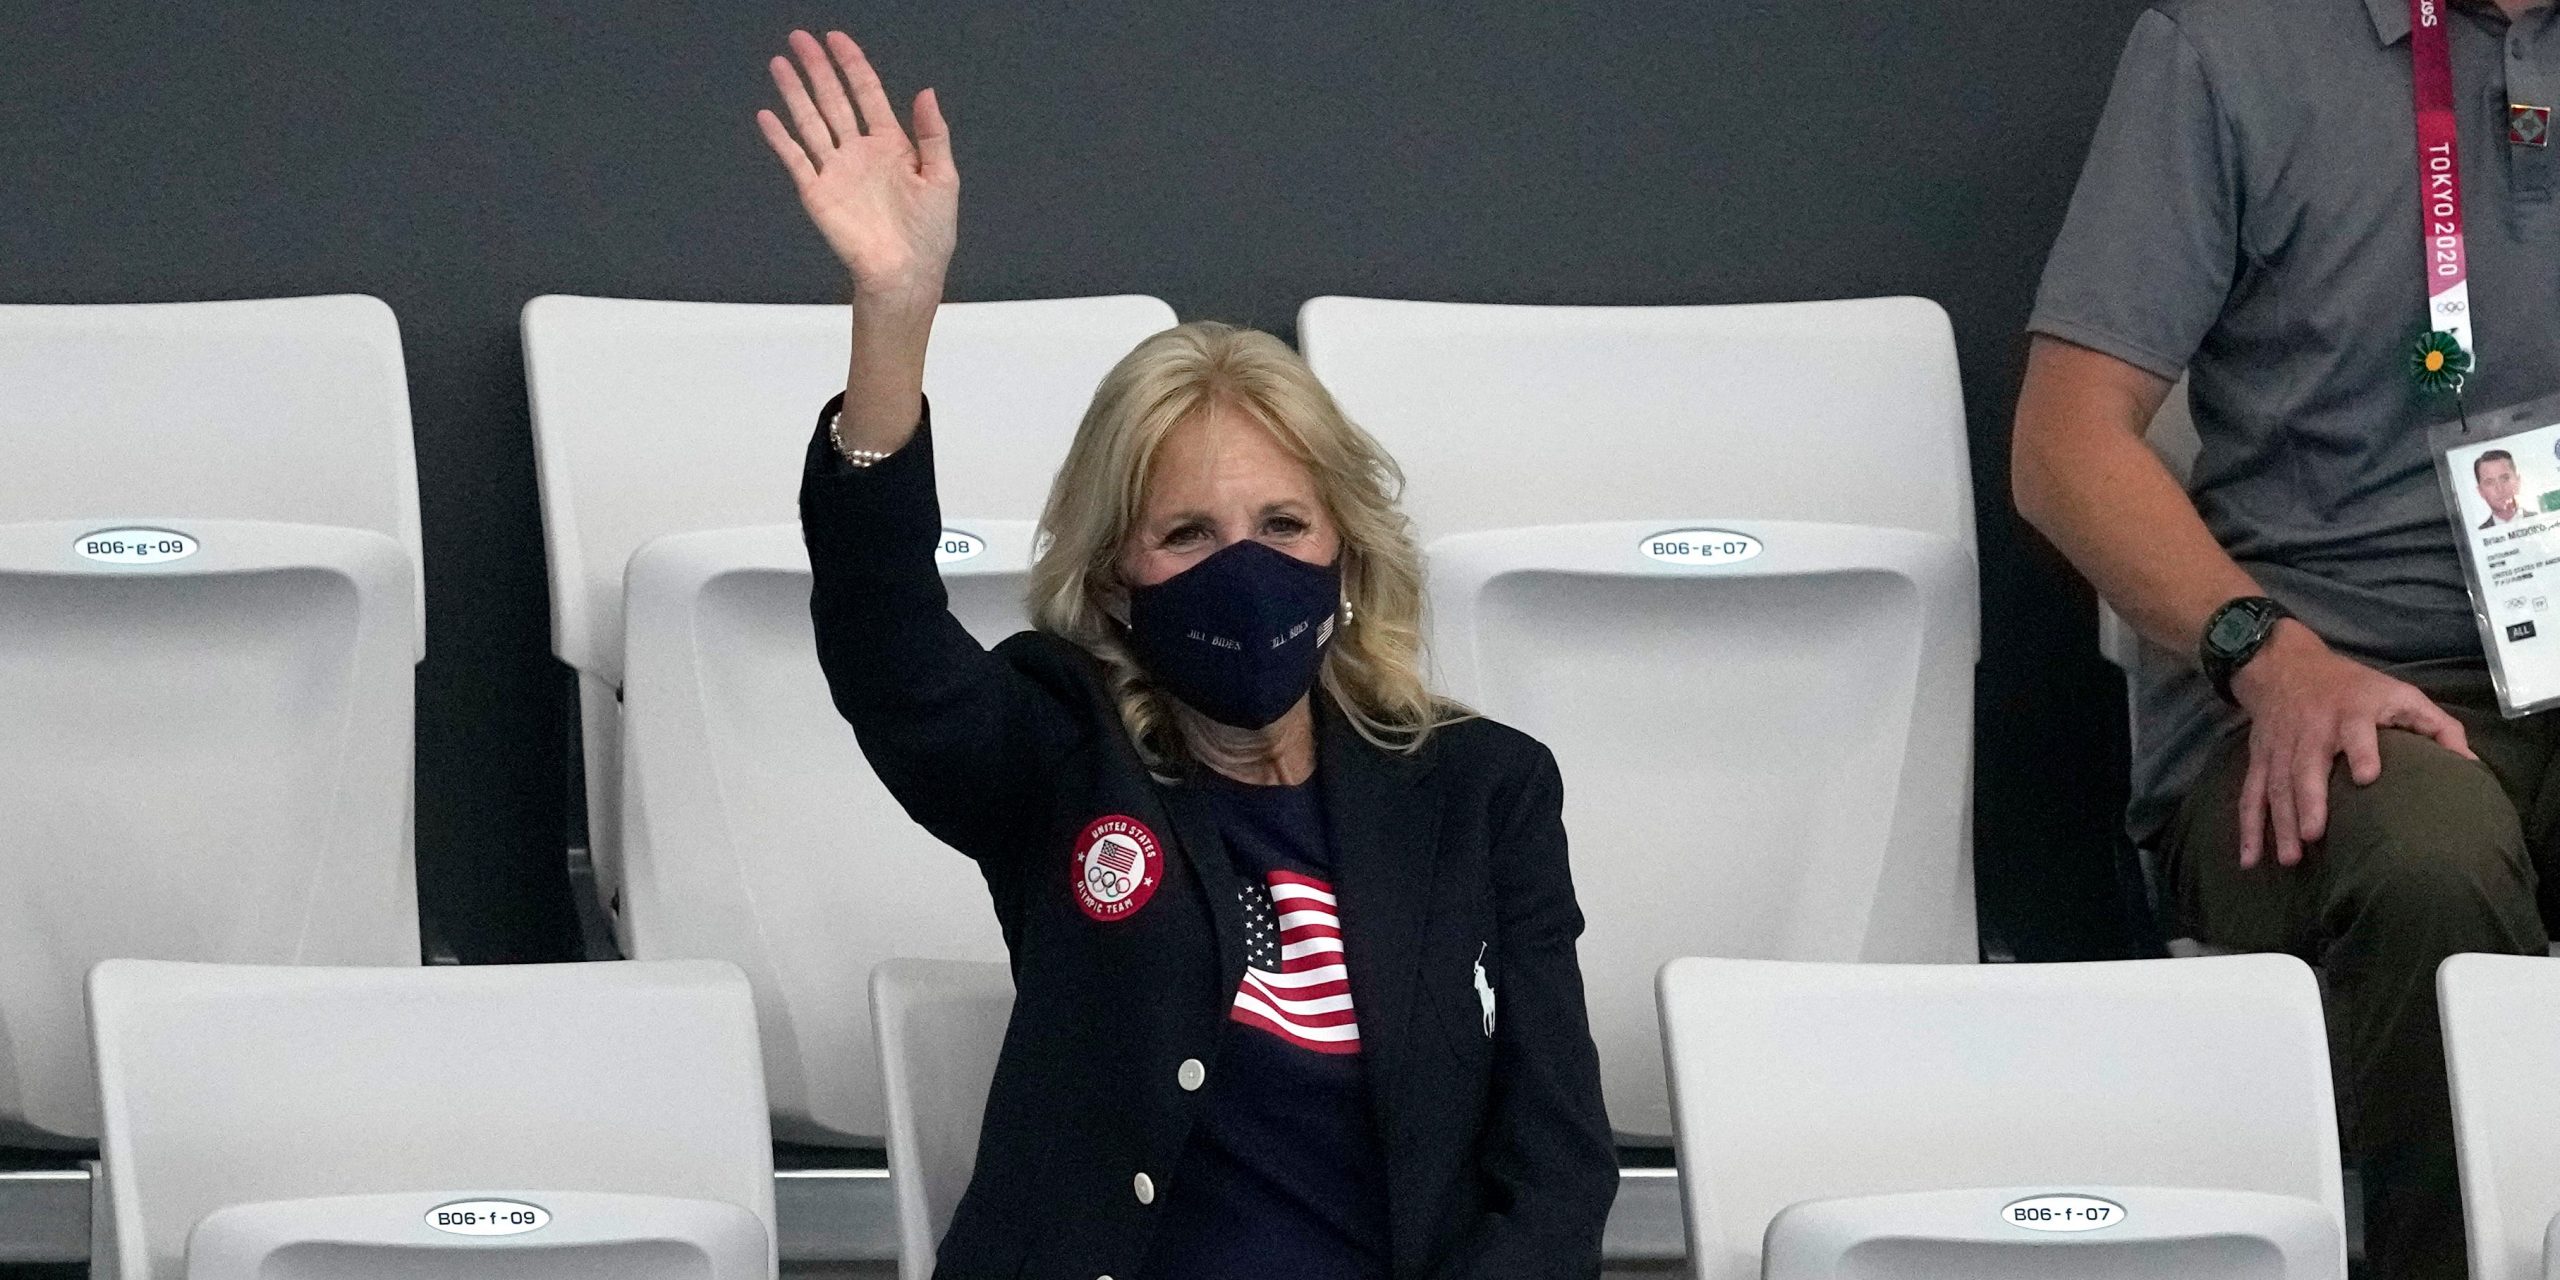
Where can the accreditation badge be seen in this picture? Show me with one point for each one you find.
(2501, 477)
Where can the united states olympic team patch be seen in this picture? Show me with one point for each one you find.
(1118, 863)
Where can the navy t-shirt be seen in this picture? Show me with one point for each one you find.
(1284, 1175)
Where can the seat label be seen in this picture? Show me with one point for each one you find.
(1700, 547)
(135, 546)
(488, 1217)
(2062, 1213)
(958, 545)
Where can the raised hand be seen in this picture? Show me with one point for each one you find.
(888, 207)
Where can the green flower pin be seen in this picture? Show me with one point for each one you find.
(2438, 362)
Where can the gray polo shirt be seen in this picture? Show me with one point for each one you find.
(2249, 216)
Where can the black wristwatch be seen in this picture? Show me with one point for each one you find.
(2233, 635)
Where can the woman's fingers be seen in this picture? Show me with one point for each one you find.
(786, 148)
(828, 89)
(933, 138)
(815, 138)
(885, 206)
(877, 114)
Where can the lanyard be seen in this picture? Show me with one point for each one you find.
(2439, 175)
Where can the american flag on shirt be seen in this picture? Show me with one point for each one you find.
(1294, 984)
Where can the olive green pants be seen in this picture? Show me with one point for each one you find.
(2438, 856)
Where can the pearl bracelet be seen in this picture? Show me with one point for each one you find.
(855, 457)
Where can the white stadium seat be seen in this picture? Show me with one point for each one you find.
(941, 1026)
(2120, 1120)
(730, 811)
(2502, 1057)
(210, 621)
(1721, 560)
(500, 1121)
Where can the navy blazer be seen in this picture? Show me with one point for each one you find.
(1498, 1152)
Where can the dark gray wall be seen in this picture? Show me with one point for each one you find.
(456, 159)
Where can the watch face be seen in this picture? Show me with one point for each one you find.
(2232, 630)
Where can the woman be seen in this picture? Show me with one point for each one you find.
(1292, 939)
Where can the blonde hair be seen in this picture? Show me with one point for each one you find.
(1374, 669)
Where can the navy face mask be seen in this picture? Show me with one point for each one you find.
(1239, 636)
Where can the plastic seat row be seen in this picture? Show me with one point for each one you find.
(2134, 1119)
(2119, 1120)
(2107, 1121)
(1720, 558)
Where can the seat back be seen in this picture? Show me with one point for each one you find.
(670, 435)
(1720, 559)
(209, 623)
(2502, 1052)
(289, 410)
(1509, 416)
(1804, 1082)
(652, 418)
(941, 1026)
(756, 832)
(1762, 758)
(228, 1085)
(659, 418)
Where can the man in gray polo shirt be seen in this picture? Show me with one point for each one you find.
(2249, 217)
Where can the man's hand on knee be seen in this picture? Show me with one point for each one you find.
(2307, 706)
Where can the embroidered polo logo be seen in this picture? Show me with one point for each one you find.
(1118, 864)
(2528, 126)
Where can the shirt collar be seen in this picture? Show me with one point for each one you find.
(2390, 20)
